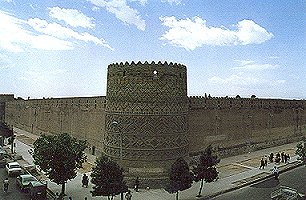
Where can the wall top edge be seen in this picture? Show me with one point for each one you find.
(64, 98)
(241, 98)
(160, 63)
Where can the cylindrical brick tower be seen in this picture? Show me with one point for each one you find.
(146, 116)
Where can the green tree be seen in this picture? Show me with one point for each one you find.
(301, 151)
(107, 177)
(180, 177)
(205, 169)
(59, 156)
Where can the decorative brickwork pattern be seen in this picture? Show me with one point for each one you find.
(146, 112)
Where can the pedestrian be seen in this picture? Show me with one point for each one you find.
(85, 181)
(283, 156)
(262, 164)
(5, 185)
(70, 198)
(277, 158)
(128, 195)
(85, 198)
(137, 184)
(56, 196)
(275, 172)
(266, 161)
(271, 157)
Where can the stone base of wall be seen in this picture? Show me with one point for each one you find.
(146, 182)
(250, 147)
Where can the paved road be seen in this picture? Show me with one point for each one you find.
(261, 191)
(13, 193)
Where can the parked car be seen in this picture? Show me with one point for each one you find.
(38, 190)
(13, 168)
(23, 181)
(286, 193)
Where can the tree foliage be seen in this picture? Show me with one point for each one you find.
(59, 156)
(107, 177)
(205, 169)
(180, 177)
(301, 151)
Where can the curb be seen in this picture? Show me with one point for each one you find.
(297, 164)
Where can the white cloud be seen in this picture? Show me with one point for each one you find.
(5, 62)
(15, 37)
(72, 17)
(191, 34)
(251, 33)
(252, 65)
(142, 2)
(177, 2)
(56, 30)
(244, 80)
(95, 8)
(122, 11)
(8, 1)
(236, 79)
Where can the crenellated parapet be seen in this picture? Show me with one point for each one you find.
(201, 102)
(147, 84)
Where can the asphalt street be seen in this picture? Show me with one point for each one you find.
(295, 178)
(13, 192)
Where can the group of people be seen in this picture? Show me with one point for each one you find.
(279, 157)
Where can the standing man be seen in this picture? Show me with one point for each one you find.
(137, 184)
(262, 164)
(85, 181)
(128, 195)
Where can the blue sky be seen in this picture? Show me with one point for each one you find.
(230, 47)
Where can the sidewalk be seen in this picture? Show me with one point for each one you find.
(234, 172)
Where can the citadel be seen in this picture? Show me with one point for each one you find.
(146, 120)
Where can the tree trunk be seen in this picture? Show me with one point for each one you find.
(201, 187)
(63, 190)
(177, 195)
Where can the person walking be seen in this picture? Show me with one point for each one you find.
(128, 195)
(5, 185)
(275, 172)
(137, 184)
(56, 196)
(262, 164)
(85, 181)
(271, 157)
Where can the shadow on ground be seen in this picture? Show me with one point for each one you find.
(269, 183)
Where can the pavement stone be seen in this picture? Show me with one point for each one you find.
(234, 172)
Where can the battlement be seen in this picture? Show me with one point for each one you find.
(83, 103)
(6, 98)
(201, 102)
(147, 70)
(159, 64)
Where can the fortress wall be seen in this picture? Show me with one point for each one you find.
(223, 122)
(82, 117)
(228, 122)
(4, 98)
